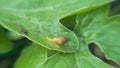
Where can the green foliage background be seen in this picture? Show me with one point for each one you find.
(26, 26)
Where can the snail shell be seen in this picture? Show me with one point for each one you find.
(58, 40)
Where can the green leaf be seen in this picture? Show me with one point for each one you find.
(31, 57)
(80, 59)
(101, 30)
(5, 43)
(107, 37)
(13, 35)
(38, 19)
(84, 21)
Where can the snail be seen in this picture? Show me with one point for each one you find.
(58, 40)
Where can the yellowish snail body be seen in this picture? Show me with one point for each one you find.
(58, 40)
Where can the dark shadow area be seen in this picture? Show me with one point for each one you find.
(51, 53)
(8, 59)
(69, 22)
(115, 8)
(95, 50)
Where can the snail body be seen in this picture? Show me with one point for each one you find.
(58, 40)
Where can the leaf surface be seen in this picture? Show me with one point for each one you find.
(38, 19)
(82, 58)
(31, 57)
(101, 30)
